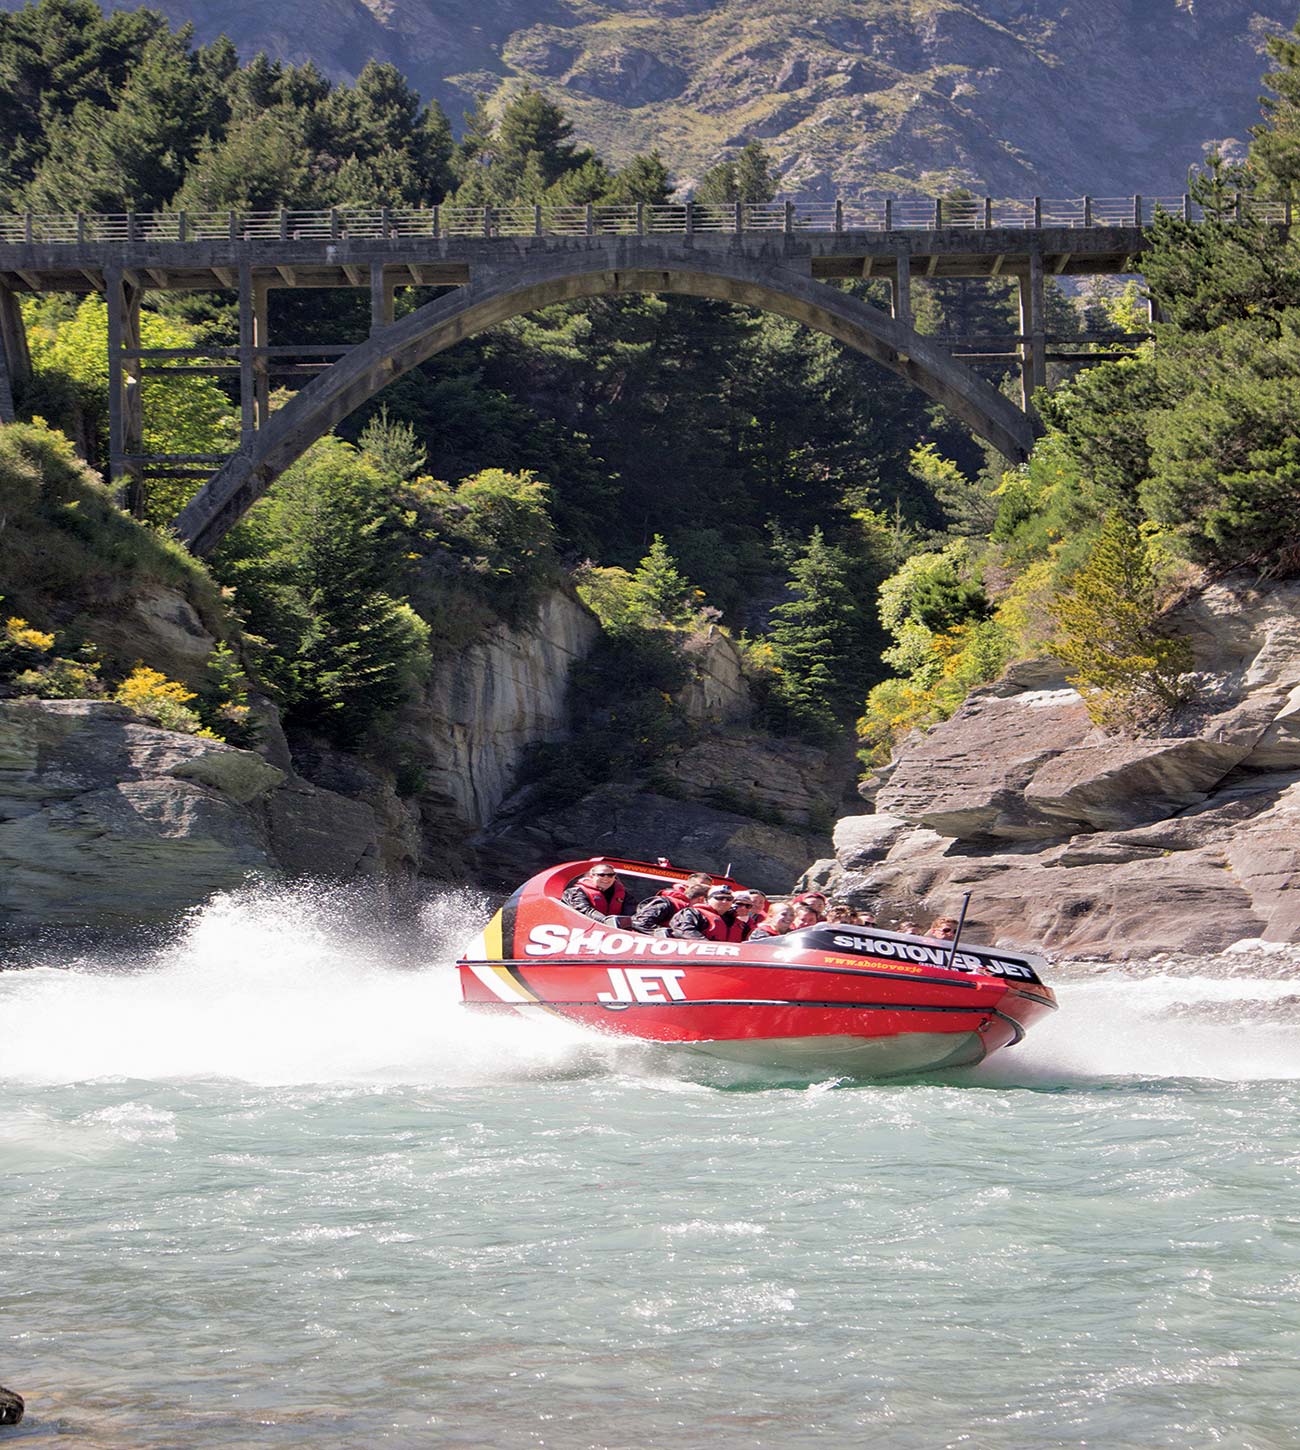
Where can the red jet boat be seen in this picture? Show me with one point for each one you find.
(831, 998)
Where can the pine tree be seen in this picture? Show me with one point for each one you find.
(260, 163)
(659, 588)
(643, 179)
(136, 155)
(314, 567)
(753, 174)
(1275, 147)
(1128, 672)
(746, 179)
(391, 148)
(813, 636)
(532, 125)
(1223, 269)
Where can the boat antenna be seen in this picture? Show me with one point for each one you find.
(956, 936)
(727, 872)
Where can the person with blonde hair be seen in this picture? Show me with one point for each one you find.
(778, 921)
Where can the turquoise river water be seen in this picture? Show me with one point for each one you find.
(269, 1186)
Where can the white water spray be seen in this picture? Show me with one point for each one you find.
(299, 986)
(1223, 1029)
(276, 987)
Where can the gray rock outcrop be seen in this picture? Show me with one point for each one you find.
(785, 782)
(106, 822)
(616, 820)
(717, 692)
(1085, 843)
(486, 707)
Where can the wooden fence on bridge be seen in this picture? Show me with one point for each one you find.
(887, 214)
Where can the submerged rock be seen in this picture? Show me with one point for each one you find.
(12, 1406)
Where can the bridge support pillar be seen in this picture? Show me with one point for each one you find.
(247, 389)
(901, 291)
(381, 298)
(15, 359)
(125, 395)
(1033, 329)
(261, 340)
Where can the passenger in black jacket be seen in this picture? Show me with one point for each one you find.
(601, 896)
(713, 919)
(658, 911)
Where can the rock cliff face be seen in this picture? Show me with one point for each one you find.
(1017, 96)
(1085, 843)
(107, 823)
(483, 710)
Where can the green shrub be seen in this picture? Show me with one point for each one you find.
(1130, 675)
(68, 554)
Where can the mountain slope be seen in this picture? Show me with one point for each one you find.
(1010, 96)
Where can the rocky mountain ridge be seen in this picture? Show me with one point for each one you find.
(1016, 97)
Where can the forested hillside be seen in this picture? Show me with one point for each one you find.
(1017, 96)
(680, 463)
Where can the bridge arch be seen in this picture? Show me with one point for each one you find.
(513, 286)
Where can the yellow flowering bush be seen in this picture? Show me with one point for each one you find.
(152, 696)
(29, 666)
(20, 635)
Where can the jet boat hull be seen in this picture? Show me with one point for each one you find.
(833, 999)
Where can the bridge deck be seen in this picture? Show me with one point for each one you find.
(426, 261)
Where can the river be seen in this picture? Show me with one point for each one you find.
(267, 1185)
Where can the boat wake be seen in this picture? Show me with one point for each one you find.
(300, 985)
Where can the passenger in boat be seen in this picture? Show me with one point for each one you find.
(814, 900)
(805, 914)
(778, 921)
(602, 896)
(712, 919)
(908, 928)
(657, 911)
(761, 905)
(943, 927)
(838, 911)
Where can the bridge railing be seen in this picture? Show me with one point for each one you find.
(672, 218)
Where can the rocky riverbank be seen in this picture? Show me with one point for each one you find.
(108, 823)
(1067, 839)
(1089, 844)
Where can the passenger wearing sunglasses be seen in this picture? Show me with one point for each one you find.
(713, 919)
(602, 896)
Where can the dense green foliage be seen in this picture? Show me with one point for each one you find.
(1129, 672)
(1181, 461)
(687, 463)
(603, 434)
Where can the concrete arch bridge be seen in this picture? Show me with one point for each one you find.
(500, 263)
